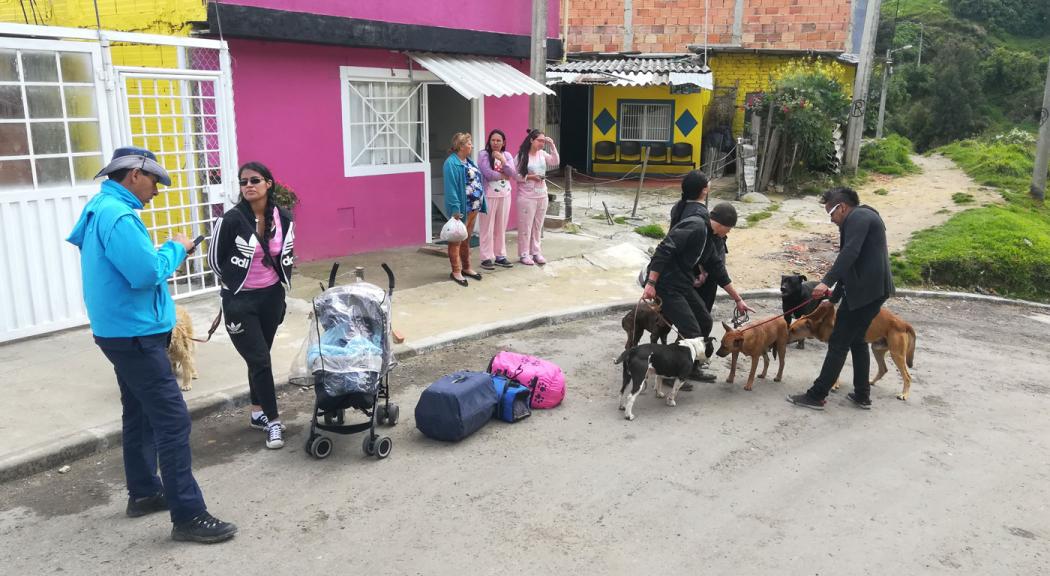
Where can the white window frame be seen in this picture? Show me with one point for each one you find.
(101, 117)
(646, 117)
(348, 74)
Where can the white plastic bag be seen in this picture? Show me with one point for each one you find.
(454, 231)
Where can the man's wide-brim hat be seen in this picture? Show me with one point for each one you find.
(133, 157)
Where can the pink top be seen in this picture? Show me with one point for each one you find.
(260, 275)
(538, 164)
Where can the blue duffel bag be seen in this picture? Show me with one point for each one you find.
(512, 399)
(456, 406)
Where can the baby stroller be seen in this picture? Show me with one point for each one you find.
(349, 355)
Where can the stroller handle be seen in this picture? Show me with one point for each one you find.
(331, 275)
(390, 277)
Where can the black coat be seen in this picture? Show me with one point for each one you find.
(861, 271)
(684, 247)
(714, 261)
(233, 242)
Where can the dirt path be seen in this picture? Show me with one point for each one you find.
(798, 237)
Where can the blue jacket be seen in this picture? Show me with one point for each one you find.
(455, 180)
(124, 276)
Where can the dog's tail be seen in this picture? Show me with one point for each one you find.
(623, 356)
(911, 346)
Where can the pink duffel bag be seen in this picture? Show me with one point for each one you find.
(545, 379)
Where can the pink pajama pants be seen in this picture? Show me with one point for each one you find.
(531, 213)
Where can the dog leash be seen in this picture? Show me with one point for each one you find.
(214, 325)
(768, 320)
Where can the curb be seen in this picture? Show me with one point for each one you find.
(83, 443)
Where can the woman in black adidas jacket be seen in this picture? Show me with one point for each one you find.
(251, 253)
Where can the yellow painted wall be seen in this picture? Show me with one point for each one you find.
(160, 99)
(607, 97)
(754, 73)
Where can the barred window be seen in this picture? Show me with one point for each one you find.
(383, 125)
(646, 121)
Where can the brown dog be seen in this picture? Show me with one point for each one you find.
(180, 351)
(756, 341)
(887, 333)
(646, 319)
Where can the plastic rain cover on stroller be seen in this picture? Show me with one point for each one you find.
(348, 346)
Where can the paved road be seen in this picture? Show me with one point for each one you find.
(954, 481)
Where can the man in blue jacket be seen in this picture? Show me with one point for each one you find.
(863, 281)
(132, 315)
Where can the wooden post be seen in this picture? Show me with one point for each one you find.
(1042, 149)
(568, 193)
(641, 181)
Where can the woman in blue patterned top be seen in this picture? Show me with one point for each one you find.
(464, 199)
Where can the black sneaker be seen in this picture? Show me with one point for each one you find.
(502, 261)
(142, 506)
(205, 529)
(805, 401)
(488, 265)
(698, 375)
(263, 423)
(862, 404)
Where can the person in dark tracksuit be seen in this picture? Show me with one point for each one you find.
(132, 316)
(674, 265)
(862, 280)
(251, 252)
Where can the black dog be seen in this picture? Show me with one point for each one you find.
(673, 361)
(794, 290)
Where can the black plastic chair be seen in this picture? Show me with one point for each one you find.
(630, 149)
(683, 150)
(605, 150)
(658, 153)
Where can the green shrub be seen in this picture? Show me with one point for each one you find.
(962, 198)
(620, 219)
(756, 217)
(1005, 248)
(651, 231)
(891, 155)
(881, 192)
(1003, 161)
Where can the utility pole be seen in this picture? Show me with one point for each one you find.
(882, 97)
(1042, 150)
(538, 56)
(855, 128)
(887, 69)
(922, 28)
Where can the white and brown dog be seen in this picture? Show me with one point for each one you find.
(673, 361)
(180, 351)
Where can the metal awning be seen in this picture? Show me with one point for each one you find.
(631, 72)
(474, 77)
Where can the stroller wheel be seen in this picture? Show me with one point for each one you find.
(383, 447)
(369, 445)
(319, 447)
(392, 412)
(381, 413)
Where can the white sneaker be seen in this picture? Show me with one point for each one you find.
(274, 436)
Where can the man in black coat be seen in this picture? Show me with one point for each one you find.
(863, 281)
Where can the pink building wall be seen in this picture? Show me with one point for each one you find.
(288, 106)
(505, 16)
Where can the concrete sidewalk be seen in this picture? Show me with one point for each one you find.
(60, 397)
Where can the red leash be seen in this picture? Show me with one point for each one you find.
(768, 320)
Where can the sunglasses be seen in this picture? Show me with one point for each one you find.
(254, 180)
(833, 209)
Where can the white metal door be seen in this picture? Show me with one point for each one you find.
(54, 135)
(182, 116)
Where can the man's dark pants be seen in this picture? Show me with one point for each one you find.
(847, 336)
(707, 292)
(682, 307)
(156, 423)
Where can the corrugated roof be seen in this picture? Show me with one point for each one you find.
(630, 72)
(474, 77)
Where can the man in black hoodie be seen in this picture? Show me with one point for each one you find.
(863, 281)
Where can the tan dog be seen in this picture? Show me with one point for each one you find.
(756, 341)
(887, 333)
(180, 351)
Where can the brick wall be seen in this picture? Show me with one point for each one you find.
(671, 25)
